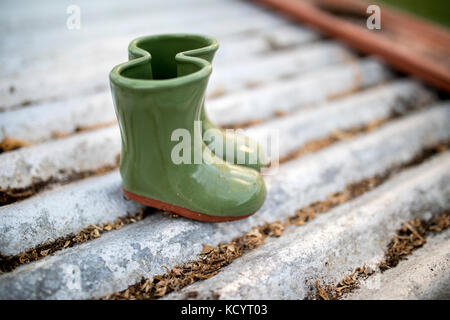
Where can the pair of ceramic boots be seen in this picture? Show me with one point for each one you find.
(161, 89)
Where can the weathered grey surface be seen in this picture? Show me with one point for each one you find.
(62, 211)
(425, 275)
(122, 257)
(73, 76)
(98, 200)
(46, 31)
(61, 158)
(300, 92)
(105, 53)
(249, 72)
(295, 130)
(44, 121)
(332, 245)
(225, 78)
(57, 80)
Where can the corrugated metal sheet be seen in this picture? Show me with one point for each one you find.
(269, 74)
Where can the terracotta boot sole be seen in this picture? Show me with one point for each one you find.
(180, 210)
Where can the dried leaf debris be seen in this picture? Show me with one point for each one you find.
(12, 195)
(410, 237)
(90, 232)
(333, 137)
(214, 258)
(404, 107)
(10, 144)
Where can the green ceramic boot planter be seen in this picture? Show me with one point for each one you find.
(251, 153)
(157, 92)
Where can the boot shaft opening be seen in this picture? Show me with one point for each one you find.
(163, 50)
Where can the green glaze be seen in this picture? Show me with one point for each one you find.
(155, 94)
(250, 149)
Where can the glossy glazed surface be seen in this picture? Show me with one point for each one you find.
(252, 155)
(162, 89)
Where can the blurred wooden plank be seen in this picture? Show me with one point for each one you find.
(413, 58)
